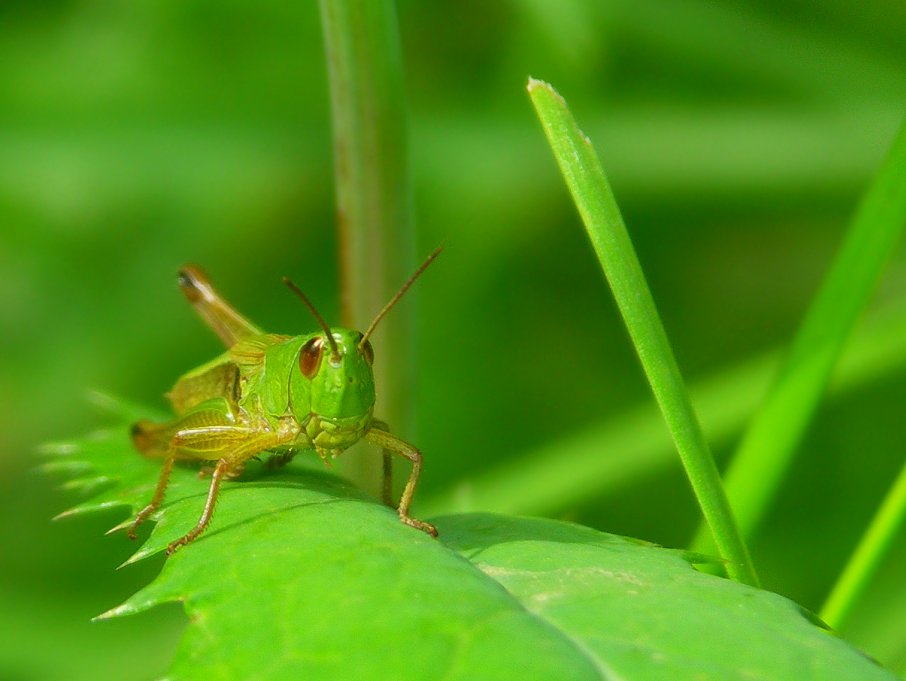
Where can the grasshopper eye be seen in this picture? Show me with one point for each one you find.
(310, 357)
(367, 352)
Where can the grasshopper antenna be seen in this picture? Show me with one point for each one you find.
(335, 352)
(399, 294)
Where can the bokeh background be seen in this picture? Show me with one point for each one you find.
(138, 136)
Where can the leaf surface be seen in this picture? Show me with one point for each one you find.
(302, 576)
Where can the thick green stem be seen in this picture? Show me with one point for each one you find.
(374, 204)
(593, 197)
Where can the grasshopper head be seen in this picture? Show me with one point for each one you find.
(336, 364)
(339, 374)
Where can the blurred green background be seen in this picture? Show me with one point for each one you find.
(138, 136)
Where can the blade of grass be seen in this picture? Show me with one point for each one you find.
(768, 446)
(596, 204)
(569, 472)
(867, 556)
(374, 204)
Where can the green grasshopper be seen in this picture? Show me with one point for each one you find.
(275, 393)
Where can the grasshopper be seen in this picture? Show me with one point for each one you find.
(274, 393)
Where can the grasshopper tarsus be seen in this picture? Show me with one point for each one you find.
(427, 528)
(190, 536)
(174, 546)
(139, 519)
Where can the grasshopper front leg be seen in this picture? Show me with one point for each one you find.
(380, 435)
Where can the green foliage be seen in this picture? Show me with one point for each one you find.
(777, 429)
(594, 198)
(301, 575)
(140, 136)
(872, 549)
(779, 425)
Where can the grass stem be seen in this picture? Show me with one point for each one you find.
(374, 199)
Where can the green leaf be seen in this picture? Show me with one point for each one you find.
(301, 576)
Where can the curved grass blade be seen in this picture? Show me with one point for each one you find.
(636, 443)
(770, 442)
(868, 554)
(593, 197)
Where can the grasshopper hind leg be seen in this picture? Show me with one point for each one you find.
(147, 438)
(221, 471)
(207, 434)
(236, 446)
(217, 313)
